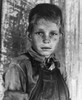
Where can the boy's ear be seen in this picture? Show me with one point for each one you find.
(29, 37)
(61, 35)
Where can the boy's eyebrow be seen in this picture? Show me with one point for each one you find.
(39, 30)
(55, 31)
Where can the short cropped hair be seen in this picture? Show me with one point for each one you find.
(45, 11)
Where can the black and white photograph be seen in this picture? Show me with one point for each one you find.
(40, 50)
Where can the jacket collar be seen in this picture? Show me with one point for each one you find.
(41, 59)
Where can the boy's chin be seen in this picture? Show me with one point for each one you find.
(46, 55)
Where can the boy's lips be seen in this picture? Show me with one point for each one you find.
(45, 48)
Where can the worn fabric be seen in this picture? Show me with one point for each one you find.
(32, 77)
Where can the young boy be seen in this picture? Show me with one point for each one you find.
(35, 75)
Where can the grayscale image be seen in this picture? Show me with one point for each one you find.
(40, 50)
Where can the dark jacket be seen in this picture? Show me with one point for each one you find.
(30, 77)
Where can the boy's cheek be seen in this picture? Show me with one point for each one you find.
(55, 40)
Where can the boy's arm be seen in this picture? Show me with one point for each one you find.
(15, 84)
(63, 72)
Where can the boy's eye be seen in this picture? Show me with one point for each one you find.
(40, 33)
(53, 33)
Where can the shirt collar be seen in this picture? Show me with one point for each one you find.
(42, 59)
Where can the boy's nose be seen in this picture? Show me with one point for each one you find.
(46, 40)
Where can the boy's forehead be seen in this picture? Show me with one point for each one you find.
(46, 23)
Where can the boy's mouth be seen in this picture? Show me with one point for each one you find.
(45, 48)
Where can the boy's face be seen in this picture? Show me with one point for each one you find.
(45, 37)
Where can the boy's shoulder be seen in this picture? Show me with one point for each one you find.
(20, 58)
(21, 61)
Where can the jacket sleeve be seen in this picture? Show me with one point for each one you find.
(15, 83)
